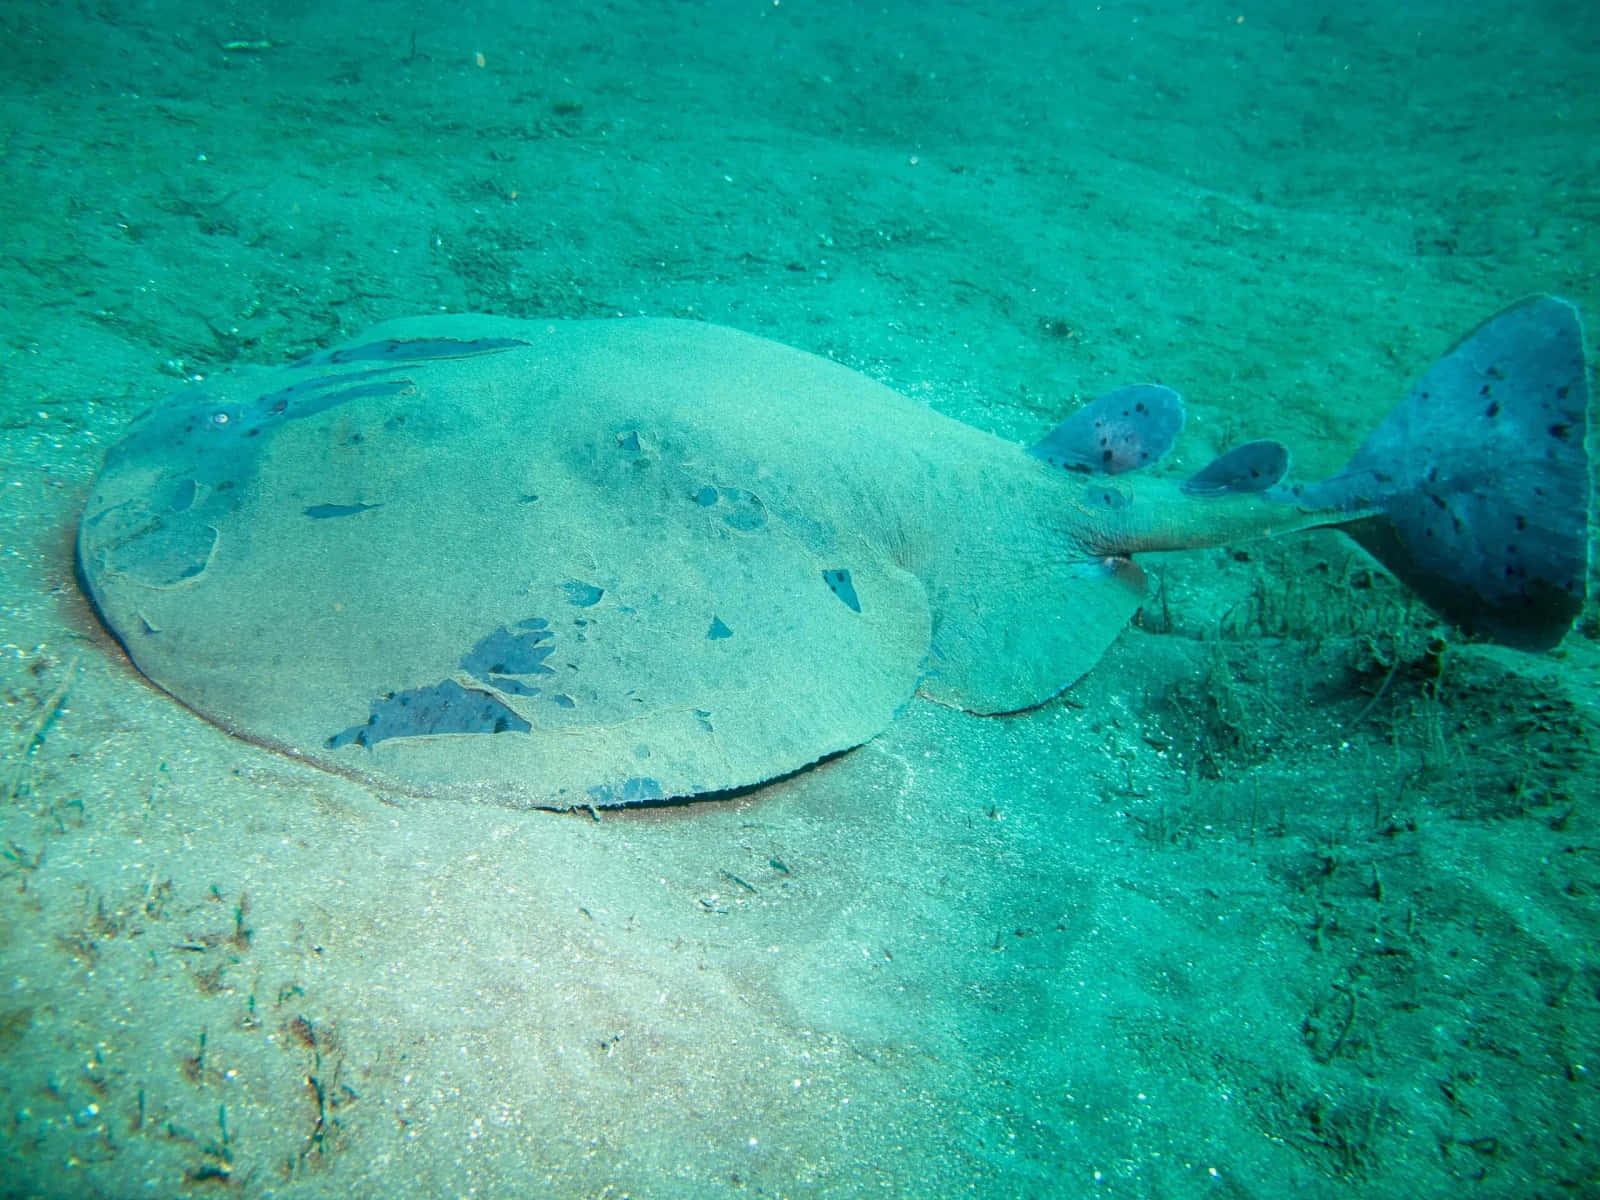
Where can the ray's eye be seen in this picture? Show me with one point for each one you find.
(221, 418)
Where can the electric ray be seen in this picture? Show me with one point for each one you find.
(558, 564)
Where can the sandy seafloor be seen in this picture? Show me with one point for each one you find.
(1212, 924)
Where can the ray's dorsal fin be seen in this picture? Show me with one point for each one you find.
(1120, 431)
(1252, 467)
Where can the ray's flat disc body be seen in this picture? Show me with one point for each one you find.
(590, 562)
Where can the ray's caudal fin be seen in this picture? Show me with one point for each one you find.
(1476, 489)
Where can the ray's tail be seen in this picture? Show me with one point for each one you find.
(1476, 489)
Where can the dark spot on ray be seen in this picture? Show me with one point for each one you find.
(506, 653)
(838, 581)
(444, 707)
(582, 595)
(513, 686)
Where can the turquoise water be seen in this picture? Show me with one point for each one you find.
(1295, 890)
